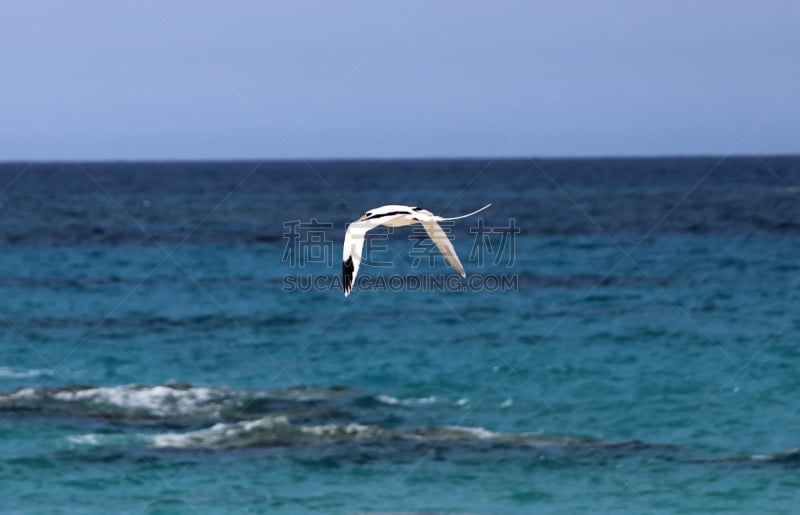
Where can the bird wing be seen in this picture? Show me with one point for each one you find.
(441, 240)
(351, 253)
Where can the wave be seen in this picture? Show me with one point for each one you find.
(266, 431)
(16, 374)
(172, 402)
(279, 431)
(184, 416)
(220, 418)
(181, 403)
(426, 401)
(786, 457)
(789, 456)
(417, 401)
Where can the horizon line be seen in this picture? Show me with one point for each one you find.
(597, 157)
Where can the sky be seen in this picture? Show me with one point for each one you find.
(196, 79)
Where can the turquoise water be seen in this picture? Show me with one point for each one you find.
(638, 365)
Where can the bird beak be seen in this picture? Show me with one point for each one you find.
(362, 218)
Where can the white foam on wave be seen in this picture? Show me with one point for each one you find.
(266, 431)
(414, 401)
(475, 432)
(279, 431)
(87, 439)
(129, 401)
(101, 439)
(789, 453)
(159, 401)
(16, 374)
(175, 401)
(387, 399)
(274, 431)
(347, 430)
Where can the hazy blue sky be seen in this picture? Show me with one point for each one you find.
(244, 79)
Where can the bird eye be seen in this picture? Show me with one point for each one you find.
(368, 214)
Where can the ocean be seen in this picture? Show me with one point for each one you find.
(174, 338)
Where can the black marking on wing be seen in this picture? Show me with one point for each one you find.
(347, 274)
(381, 215)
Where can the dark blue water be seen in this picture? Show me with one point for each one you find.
(161, 353)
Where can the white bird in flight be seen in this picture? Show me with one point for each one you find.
(395, 216)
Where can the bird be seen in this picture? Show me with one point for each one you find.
(393, 215)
